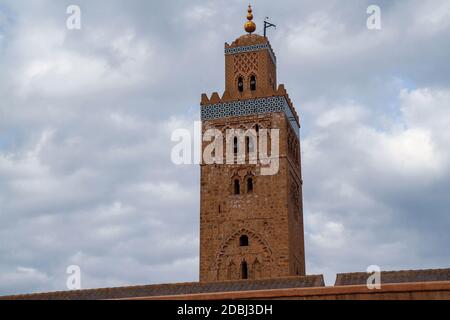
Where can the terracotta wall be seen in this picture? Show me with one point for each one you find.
(405, 291)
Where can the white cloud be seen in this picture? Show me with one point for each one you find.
(341, 115)
(324, 233)
(45, 65)
(431, 17)
(411, 151)
(24, 277)
(200, 14)
(367, 186)
(427, 108)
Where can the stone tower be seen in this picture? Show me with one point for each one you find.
(251, 223)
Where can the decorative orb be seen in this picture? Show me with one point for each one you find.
(250, 26)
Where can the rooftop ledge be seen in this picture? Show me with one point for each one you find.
(216, 100)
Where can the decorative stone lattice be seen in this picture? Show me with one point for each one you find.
(255, 47)
(295, 198)
(293, 147)
(244, 63)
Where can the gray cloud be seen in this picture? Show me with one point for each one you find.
(86, 118)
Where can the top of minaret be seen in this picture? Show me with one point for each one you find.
(250, 26)
(250, 77)
(250, 38)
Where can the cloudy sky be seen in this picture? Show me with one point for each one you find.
(86, 117)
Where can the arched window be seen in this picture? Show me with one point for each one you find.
(235, 145)
(243, 241)
(253, 83)
(244, 270)
(237, 187)
(241, 84)
(249, 185)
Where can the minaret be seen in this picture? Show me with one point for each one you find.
(251, 222)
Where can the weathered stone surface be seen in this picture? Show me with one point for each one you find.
(271, 214)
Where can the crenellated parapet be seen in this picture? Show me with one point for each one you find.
(217, 107)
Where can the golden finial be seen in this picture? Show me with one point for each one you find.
(250, 26)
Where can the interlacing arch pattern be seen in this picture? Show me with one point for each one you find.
(245, 63)
(293, 146)
(253, 237)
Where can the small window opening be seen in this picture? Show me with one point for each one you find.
(249, 185)
(252, 83)
(237, 187)
(247, 145)
(241, 84)
(243, 241)
(244, 270)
